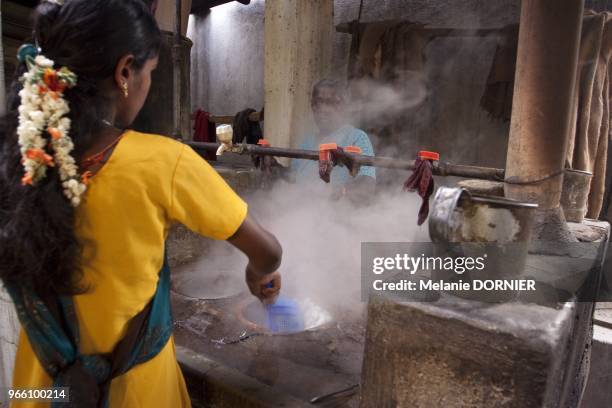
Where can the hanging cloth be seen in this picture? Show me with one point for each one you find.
(421, 180)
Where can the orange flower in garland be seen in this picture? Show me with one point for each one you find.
(55, 133)
(85, 177)
(27, 180)
(41, 156)
(43, 108)
(53, 82)
(49, 77)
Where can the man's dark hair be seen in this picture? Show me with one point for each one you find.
(338, 87)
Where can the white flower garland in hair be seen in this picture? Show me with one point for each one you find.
(43, 108)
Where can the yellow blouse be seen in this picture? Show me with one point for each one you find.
(149, 183)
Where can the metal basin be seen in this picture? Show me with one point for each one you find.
(196, 282)
(253, 314)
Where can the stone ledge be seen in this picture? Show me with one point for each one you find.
(589, 230)
(213, 384)
(456, 354)
(598, 393)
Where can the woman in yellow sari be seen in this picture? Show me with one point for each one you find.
(85, 208)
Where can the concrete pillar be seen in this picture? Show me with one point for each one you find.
(549, 36)
(298, 49)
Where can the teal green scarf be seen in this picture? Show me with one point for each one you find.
(56, 344)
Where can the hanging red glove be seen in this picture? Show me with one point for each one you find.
(327, 160)
(347, 160)
(264, 164)
(421, 180)
(330, 155)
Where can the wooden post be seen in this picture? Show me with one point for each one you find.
(165, 14)
(176, 77)
(158, 113)
(2, 84)
(549, 37)
(9, 334)
(9, 325)
(298, 49)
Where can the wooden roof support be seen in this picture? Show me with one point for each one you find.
(549, 37)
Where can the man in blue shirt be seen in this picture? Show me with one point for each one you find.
(329, 111)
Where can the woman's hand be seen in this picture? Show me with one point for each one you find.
(266, 288)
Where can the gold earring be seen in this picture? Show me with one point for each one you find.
(124, 86)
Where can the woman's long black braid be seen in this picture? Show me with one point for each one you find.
(38, 245)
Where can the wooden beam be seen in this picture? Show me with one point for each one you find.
(228, 119)
(201, 6)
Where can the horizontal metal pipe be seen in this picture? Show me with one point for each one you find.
(436, 31)
(440, 168)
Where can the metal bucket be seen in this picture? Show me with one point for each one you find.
(459, 216)
(575, 194)
(466, 225)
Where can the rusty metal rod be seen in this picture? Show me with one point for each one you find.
(440, 168)
(434, 31)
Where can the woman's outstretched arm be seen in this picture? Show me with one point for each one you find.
(264, 254)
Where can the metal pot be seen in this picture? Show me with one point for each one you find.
(458, 216)
(496, 228)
